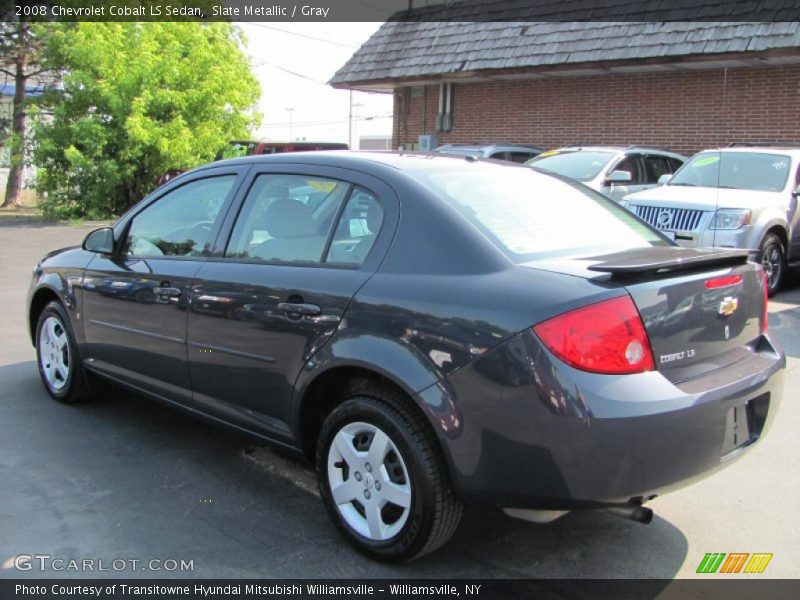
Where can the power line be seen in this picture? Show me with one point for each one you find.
(304, 35)
(260, 61)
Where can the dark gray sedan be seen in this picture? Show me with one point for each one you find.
(429, 330)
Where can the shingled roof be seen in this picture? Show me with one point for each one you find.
(401, 51)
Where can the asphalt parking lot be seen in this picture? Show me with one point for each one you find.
(125, 478)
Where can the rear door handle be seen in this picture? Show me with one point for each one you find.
(299, 308)
(167, 291)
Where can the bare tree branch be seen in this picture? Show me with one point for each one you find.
(35, 73)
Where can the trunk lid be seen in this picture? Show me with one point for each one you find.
(700, 308)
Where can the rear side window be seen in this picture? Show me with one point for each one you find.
(357, 229)
(531, 215)
(519, 157)
(287, 219)
(674, 164)
(656, 167)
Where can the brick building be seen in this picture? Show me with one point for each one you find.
(681, 85)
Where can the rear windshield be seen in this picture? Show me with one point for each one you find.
(582, 165)
(757, 171)
(532, 216)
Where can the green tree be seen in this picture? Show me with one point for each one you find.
(137, 100)
(19, 48)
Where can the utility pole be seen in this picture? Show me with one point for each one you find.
(290, 110)
(354, 112)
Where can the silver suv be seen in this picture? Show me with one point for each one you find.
(743, 196)
(611, 170)
(518, 153)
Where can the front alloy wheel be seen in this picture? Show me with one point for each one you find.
(60, 366)
(773, 260)
(54, 355)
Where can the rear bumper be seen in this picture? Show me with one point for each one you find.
(523, 430)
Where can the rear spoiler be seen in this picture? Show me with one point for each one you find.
(648, 262)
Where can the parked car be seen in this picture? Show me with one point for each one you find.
(432, 332)
(736, 197)
(238, 148)
(517, 153)
(611, 170)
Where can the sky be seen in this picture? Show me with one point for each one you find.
(294, 62)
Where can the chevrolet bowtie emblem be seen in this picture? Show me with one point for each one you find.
(728, 306)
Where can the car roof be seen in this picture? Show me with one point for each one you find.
(357, 160)
(621, 149)
(296, 142)
(486, 147)
(787, 149)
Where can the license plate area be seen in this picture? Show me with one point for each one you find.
(744, 423)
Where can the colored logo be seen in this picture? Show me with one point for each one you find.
(735, 562)
(728, 305)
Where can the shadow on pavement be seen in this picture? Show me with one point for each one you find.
(124, 477)
(785, 326)
(784, 316)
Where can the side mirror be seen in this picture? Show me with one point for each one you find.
(100, 241)
(796, 191)
(619, 177)
(665, 178)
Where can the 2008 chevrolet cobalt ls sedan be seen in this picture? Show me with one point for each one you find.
(430, 330)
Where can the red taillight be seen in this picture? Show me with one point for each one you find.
(720, 282)
(607, 337)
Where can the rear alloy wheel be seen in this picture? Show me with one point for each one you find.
(369, 481)
(60, 367)
(773, 259)
(383, 478)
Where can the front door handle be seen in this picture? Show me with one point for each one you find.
(299, 308)
(172, 292)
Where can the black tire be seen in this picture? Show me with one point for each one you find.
(772, 256)
(434, 511)
(75, 387)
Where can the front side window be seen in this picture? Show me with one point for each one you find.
(180, 222)
(632, 165)
(759, 171)
(580, 165)
(530, 216)
(287, 219)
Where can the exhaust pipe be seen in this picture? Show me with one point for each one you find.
(637, 513)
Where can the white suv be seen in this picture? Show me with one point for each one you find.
(611, 170)
(743, 196)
